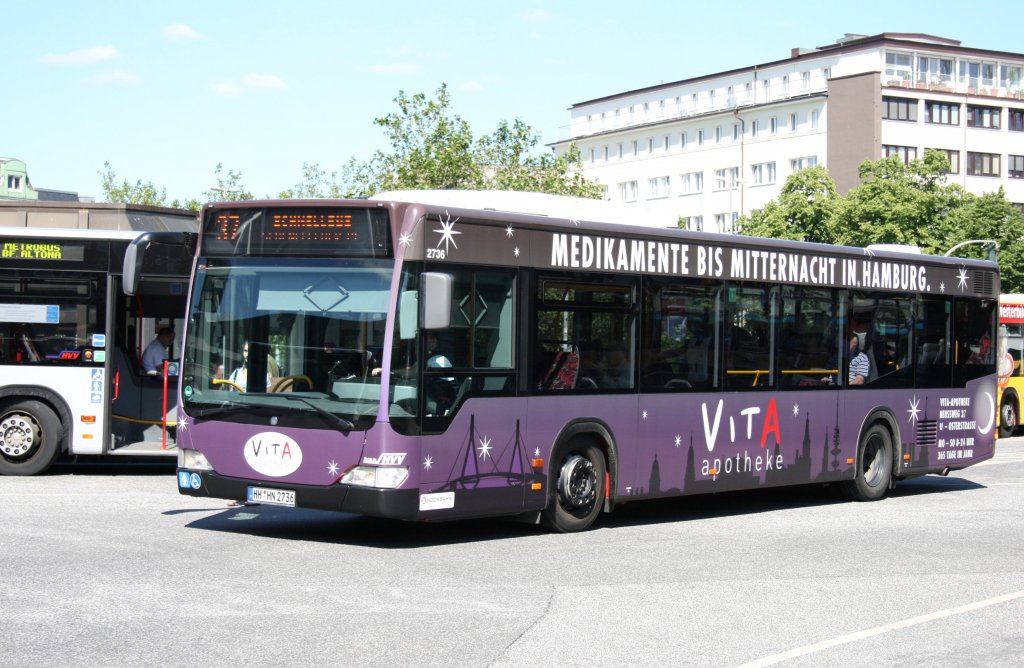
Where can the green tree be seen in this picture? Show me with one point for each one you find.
(432, 147)
(988, 217)
(127, 193)
(229, 186)
(316, 184)
(805, 210)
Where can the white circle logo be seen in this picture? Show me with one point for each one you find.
(273, 454)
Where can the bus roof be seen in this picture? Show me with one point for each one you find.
(91, 220)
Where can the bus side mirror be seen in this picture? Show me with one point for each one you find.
(435, 300)
(430, 308)
(164, 254)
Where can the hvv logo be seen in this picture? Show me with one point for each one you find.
(273, 454)
(386, 459)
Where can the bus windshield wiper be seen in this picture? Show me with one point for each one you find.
(339, 423)
(226, 407)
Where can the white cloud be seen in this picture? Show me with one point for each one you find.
(536, 16)
(94, 54)
(180, 31)
(263, 81)
(471, 86)
(248, 82)
(114, 78)
(394, 68)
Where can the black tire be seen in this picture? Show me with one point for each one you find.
(874, 466)
(30, 437)
(1008, 417)
(576, 487)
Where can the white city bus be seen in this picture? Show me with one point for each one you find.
(71, 341)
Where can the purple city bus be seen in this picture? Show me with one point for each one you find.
(419, 357)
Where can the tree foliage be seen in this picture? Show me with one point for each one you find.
(128, 193)
(432, 147)
(896, 203)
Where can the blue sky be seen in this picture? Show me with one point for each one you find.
(165, 91)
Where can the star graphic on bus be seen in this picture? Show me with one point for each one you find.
(182, 423)
(942, 286)
(644, 415)
(961, 278)
(447, 232)
(428, 463)
(679, 441)
(914, 409)
(509, 231)
(332, 467)
(515, 251)
(796, 410)
(536, 452)
(485, 447)
(404, 240)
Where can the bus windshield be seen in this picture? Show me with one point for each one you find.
(302, 338)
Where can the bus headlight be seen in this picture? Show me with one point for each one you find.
(384, 477)
(193, 460)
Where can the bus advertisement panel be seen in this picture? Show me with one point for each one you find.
(423, 361)
(1011, 354)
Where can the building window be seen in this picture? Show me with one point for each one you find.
(935, 71)
(666, 142)
(1010, 76)
(627, 191)
(766, 86)
(774, 124)
(785, 84)
(826, 72)
(899, 109)
(711, 97)
(796, 164)
(897, 67)
(735, 131)
(620, 150)
(905, 153)
(725, 179)
(953, 157)
(13, 183)
(650, 145)
(814, 119)
(983, 117)
(1015, 166)
(636, 148)
(700, 137)
(682, 139)
(762, 173)
(753, 128)
(658, 187)
(1015, 120)
(691, 184)
(942, 113)
(593, 155)
(726, 222)
(694, 223)
(982, 164)
(718, 134)
(792, 122)
(977, 73)
(606, 153)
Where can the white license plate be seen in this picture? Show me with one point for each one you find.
(274, 497)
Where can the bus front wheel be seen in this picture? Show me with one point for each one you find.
(1008, 418)
(30, 435)
(874, 466)
(576, 485)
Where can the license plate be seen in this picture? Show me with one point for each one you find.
(274, 497)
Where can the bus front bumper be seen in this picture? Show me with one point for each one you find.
(395, 503)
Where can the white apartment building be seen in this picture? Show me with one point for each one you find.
(711, 148)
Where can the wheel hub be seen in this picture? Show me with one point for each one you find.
(577, 483)
(17, 436)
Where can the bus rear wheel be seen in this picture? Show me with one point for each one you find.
(30, 435)
(874, 466)
(1008, 418)
(577, 487)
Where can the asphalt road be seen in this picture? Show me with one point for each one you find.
(106, 565)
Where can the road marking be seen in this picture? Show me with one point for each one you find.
(867, 633)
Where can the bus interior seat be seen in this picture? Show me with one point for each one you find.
(563, 371)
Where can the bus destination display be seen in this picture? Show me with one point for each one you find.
(34, 250)
(316, 231)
